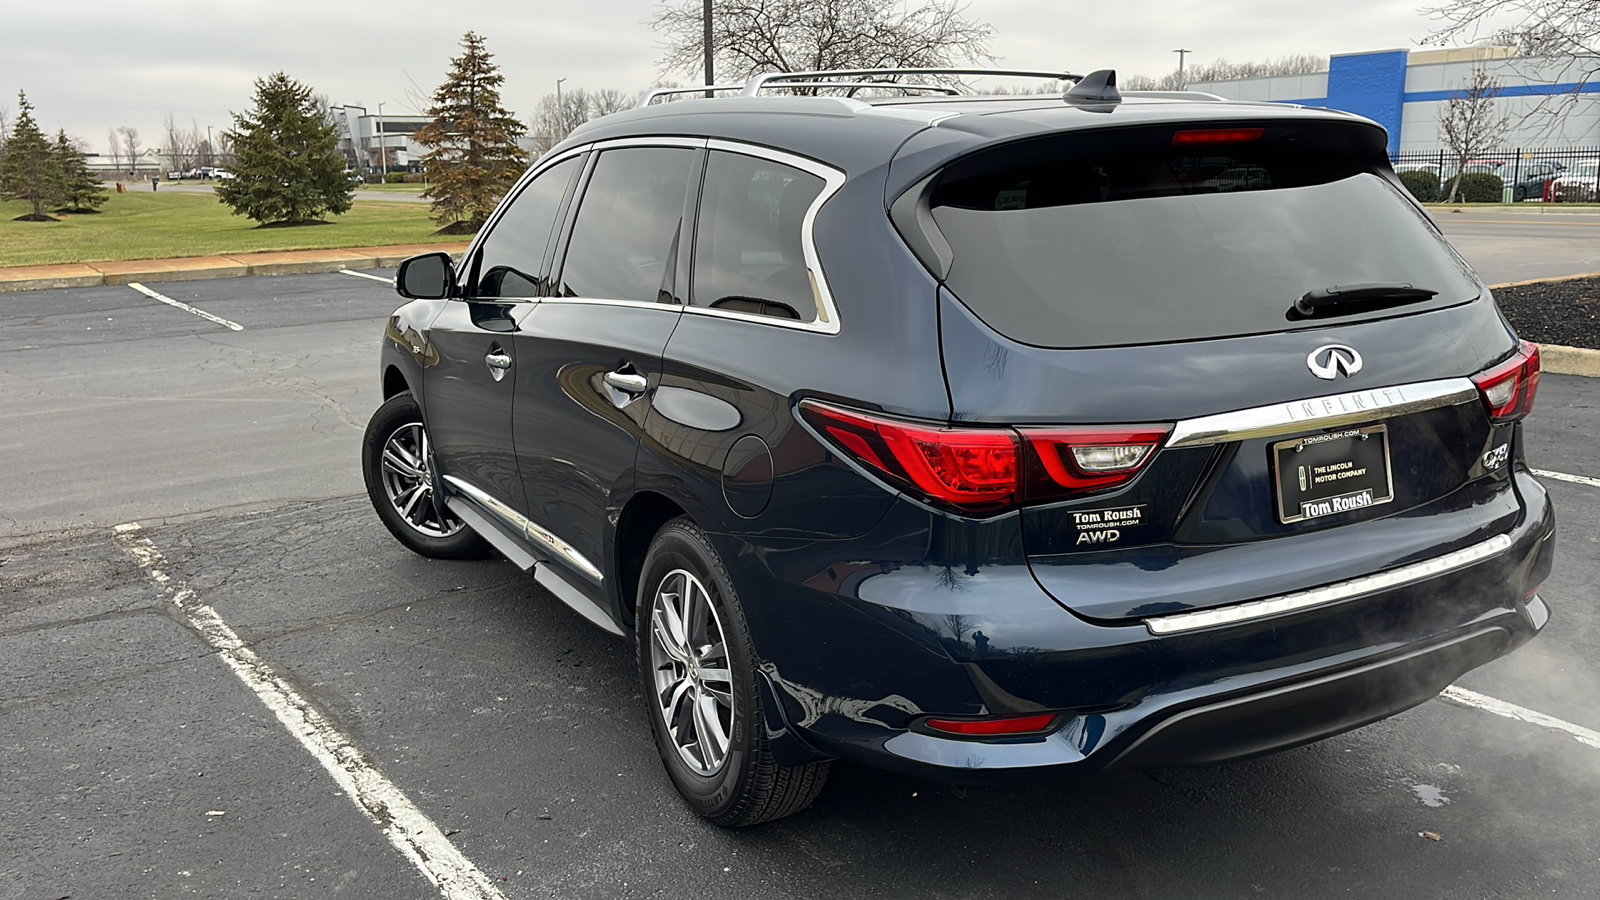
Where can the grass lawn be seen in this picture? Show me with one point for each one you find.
(151, 225)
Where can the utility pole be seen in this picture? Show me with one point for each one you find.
(211, 150)
(383, 152)
(705, 17)
(1182, 85)
(561, 114)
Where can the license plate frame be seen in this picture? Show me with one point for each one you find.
(1320, 475)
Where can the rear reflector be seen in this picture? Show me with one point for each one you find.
(1010, 726)
(1508, 389)
(1217, 136)
(986, 470)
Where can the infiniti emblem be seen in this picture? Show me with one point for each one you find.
(1327, 361)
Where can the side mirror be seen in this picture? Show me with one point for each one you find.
(426, 277)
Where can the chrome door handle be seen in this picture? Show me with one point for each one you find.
(627, 382)
(498, 359)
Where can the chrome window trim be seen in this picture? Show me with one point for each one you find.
(1178, 623)
(529, 529)
(827, 321)
(1325, 411)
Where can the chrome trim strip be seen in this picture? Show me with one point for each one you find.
(1322, 412)
(530, 530)
(1332, 593)
(551, 581)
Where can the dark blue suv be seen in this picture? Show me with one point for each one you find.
(982, 439)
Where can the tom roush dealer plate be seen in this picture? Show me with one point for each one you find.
(1324, 474)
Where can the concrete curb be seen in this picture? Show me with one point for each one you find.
(236, 265)
(1555, 359)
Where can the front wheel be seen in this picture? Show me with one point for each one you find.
(397, 463)
(697, 665)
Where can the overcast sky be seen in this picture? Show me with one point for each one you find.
(90, 65)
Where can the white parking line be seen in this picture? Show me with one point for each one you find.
(184, 306)
(365, 275)
(1562, 476)
(1512, 711)
(416, 837)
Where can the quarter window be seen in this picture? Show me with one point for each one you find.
(748, 254)
(626, 234)
(515, 252)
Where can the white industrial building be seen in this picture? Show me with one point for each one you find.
(1551, 103)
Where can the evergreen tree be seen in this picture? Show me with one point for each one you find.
(474, 158)
(30, 172)
(80, 189)
(287, 165)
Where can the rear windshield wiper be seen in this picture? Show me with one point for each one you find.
(1345, 299)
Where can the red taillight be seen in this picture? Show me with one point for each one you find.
(1066, 461)
(984, 470)
(1217, 136)
(1508, 389)
(1008, 726)
(973, 469)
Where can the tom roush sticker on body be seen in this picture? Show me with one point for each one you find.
(1337, 472)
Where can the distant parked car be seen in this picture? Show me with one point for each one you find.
(1580, 183)
(1534, 178)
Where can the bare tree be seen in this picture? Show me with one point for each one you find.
(751, 36)
(5, 127)
(130, 146)
(1558, 42)
(115, 143)
(1471, 125)
(1223, 70)
(577, 107)
(182, 144)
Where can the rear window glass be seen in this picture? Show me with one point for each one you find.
(1174, 244)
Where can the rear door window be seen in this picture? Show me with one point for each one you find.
(626, 235)
(1071, 245)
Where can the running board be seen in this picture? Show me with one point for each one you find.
(545, 576)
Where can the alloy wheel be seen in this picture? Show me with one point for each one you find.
(408, 482)
(693, 680)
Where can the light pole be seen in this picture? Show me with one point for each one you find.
(705, 24)
(383, 153)
(1182, 85)
(211, 150)
(561, 114)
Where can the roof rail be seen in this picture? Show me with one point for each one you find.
(775, 79)
(653, 93)
(1177, 95)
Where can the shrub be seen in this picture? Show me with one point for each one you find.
(1422, 184)
(395, 178)
(416, 178)
(1479, 187)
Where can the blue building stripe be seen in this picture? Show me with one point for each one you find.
(1520, 90)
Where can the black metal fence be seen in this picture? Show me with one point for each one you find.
(1527, 174)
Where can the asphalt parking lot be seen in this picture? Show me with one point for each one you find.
(146, 752)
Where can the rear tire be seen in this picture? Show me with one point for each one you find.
(395, 463)
(698, 670)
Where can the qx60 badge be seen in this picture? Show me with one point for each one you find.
(1329, 360)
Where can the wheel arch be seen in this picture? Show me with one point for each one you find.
(641, 518)
(394, 381)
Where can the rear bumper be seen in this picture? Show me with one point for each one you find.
(852, 677)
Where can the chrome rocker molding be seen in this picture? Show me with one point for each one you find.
(1322, 412)
(467, 506)
(1344, 590)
